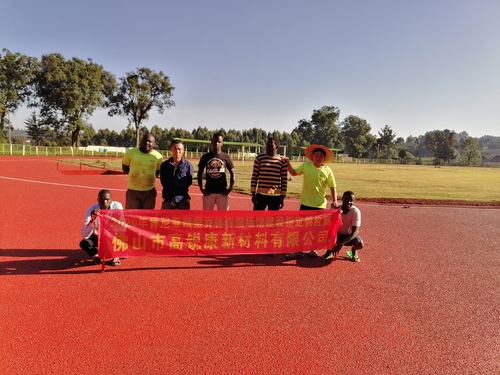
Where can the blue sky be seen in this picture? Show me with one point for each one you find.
(416, 66)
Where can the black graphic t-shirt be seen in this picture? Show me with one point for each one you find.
(216, 167)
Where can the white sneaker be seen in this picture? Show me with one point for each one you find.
(116, 262)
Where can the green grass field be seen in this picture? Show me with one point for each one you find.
(373, 181)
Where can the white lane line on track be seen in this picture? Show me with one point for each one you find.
(90, 187)
(53, 183)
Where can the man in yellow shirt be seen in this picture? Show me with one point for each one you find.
(143, 167)
(318, 177)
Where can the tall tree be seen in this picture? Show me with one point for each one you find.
(304, 131)
(322, 128)
(356, 135)
(127, 137)
(326, 127)
(385, 142)
(469, 148)
(87, 133)
(202, 134)
(69, 91)
(234, 135)
(412, 144)
(16, 73)
(36, 129)
(161, 141)
(138, 92)
(103, 137)
(442, 144)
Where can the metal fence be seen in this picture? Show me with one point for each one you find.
(29, 150)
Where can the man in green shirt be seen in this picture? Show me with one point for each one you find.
(318, 177)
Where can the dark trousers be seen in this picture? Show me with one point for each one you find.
(272, 202)
(140, 199)
(168, 204)
(89, 245)
(309, 208)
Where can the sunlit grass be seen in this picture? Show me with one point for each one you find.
(474, 184)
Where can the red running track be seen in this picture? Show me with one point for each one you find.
(423, 300)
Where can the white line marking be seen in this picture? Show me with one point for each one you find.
(52, 183)
(92, 187)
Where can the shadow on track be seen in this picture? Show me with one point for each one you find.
(71, 261)
(42, 261)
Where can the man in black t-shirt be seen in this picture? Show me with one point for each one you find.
(216, 165)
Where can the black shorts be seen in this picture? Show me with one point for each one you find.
(355, 240)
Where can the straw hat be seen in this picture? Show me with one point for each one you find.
(329, 153)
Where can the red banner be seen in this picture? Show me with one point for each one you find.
(128, 233)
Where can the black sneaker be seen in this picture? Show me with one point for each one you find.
(328, 255)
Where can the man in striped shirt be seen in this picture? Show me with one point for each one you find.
(269, 178)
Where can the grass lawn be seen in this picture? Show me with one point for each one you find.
(372, 181)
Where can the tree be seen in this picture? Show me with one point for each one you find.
(87, 133)
(161, 141)
(489, 142)
(412, 144)
(404, 155)
(442, 144)
(322, 129)
(202, 133)
(255, 135)
(16, 73)
(356, 136)
(470, 150)
(103, 137)
(291, 142)
(36, 129)
(137, 93)
(234, 135)
(326, 128)
(385, 141)
(127, 137)
(68, 92)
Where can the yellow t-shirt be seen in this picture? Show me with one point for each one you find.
(143, 167)
(315, 184)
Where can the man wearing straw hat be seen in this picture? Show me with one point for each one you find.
(317, 178)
